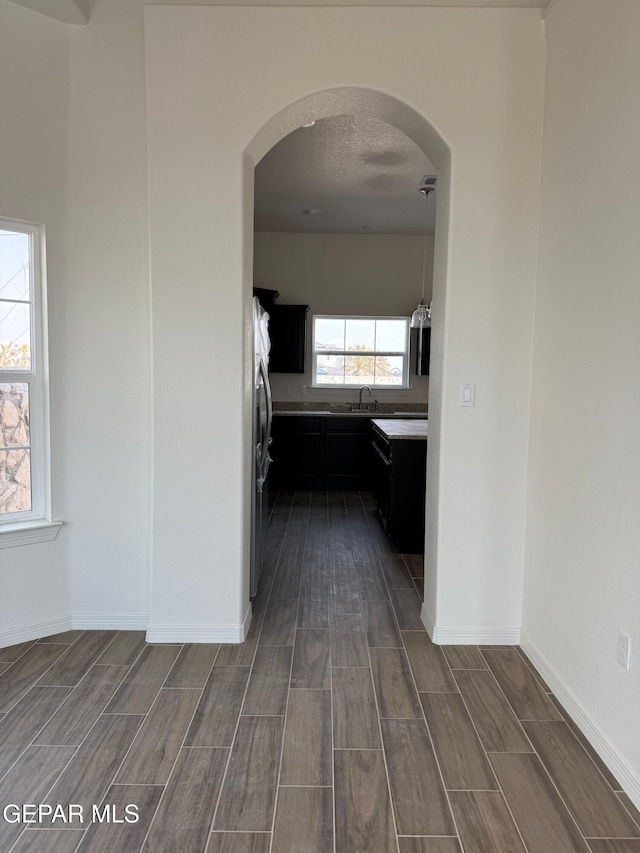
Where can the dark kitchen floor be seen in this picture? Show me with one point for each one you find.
(336, 722)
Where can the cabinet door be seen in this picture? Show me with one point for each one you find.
(423, 351)
(288, 331)
(304, 460)
(347, 459)
(407, 495)
(297, 454)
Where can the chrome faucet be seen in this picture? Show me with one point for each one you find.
(364, 388)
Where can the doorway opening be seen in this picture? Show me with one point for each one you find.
(342, 237)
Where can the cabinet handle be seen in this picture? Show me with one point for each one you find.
(381, 454)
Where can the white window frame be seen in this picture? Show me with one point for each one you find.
(350, 387)
(34, 525)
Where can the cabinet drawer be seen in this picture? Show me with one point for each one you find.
(381, 444)
(288, 424)
(347, 424)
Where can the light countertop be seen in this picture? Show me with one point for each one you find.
(403, 428)
(327, 413)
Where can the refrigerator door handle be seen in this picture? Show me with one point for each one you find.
(267, 391)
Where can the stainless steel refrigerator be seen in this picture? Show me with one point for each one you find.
(261, 439)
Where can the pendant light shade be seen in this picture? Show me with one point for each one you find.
(421, 317)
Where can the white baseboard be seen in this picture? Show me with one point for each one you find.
(195, 634)
(474, 636)
(110, 621)
(426, 621)
(626, 775)
(34, 630)
(447, 636)
(200, 633)
(248, 616)
(128, 622)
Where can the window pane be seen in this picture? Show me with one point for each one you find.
(15, 481)
(391, 335)
(359, 369)
(330, 370)
(360, 335)
(329, 334)
(14, 415)
(15, 335)
(14, 265)
(389, 370)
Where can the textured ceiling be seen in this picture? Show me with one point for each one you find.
(361, 175)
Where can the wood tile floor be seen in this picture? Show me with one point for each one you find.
(337, 726)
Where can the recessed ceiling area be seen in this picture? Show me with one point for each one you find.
(344, 175)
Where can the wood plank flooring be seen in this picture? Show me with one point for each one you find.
(336, 727)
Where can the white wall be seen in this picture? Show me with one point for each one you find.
(73, 150)
(583, 538)
(106, 322)
(34, 80)
(371, 274)
(236, 64)
(215, 77)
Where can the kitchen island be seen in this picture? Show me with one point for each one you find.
(402, 428)
(399, 480)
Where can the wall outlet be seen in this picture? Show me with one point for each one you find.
(624, 650)
(286, 389)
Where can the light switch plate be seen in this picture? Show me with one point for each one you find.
(624, 650)
(467, 394)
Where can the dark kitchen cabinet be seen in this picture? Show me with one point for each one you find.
(288, 332)
(399, 485)
(320, 452)
(297, 453)
(266, 297)
(347, 453)
(381, 483)
(423, 351)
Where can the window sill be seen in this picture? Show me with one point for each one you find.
(28, 532)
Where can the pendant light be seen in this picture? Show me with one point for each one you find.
(421, 317)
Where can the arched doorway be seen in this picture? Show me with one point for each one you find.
(367, 103)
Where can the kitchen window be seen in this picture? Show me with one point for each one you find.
(24, 465)
(349, 352)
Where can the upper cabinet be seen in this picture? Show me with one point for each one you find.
(288, 338)
(288, 332)
(423, 351)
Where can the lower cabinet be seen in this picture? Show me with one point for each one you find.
(381, 471)
(296, 452)
(399, 485)
(347, 453)
(320, 453)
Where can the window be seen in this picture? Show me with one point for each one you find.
(23, 421)
(349, 352)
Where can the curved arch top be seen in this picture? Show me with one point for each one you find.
(352, 101)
